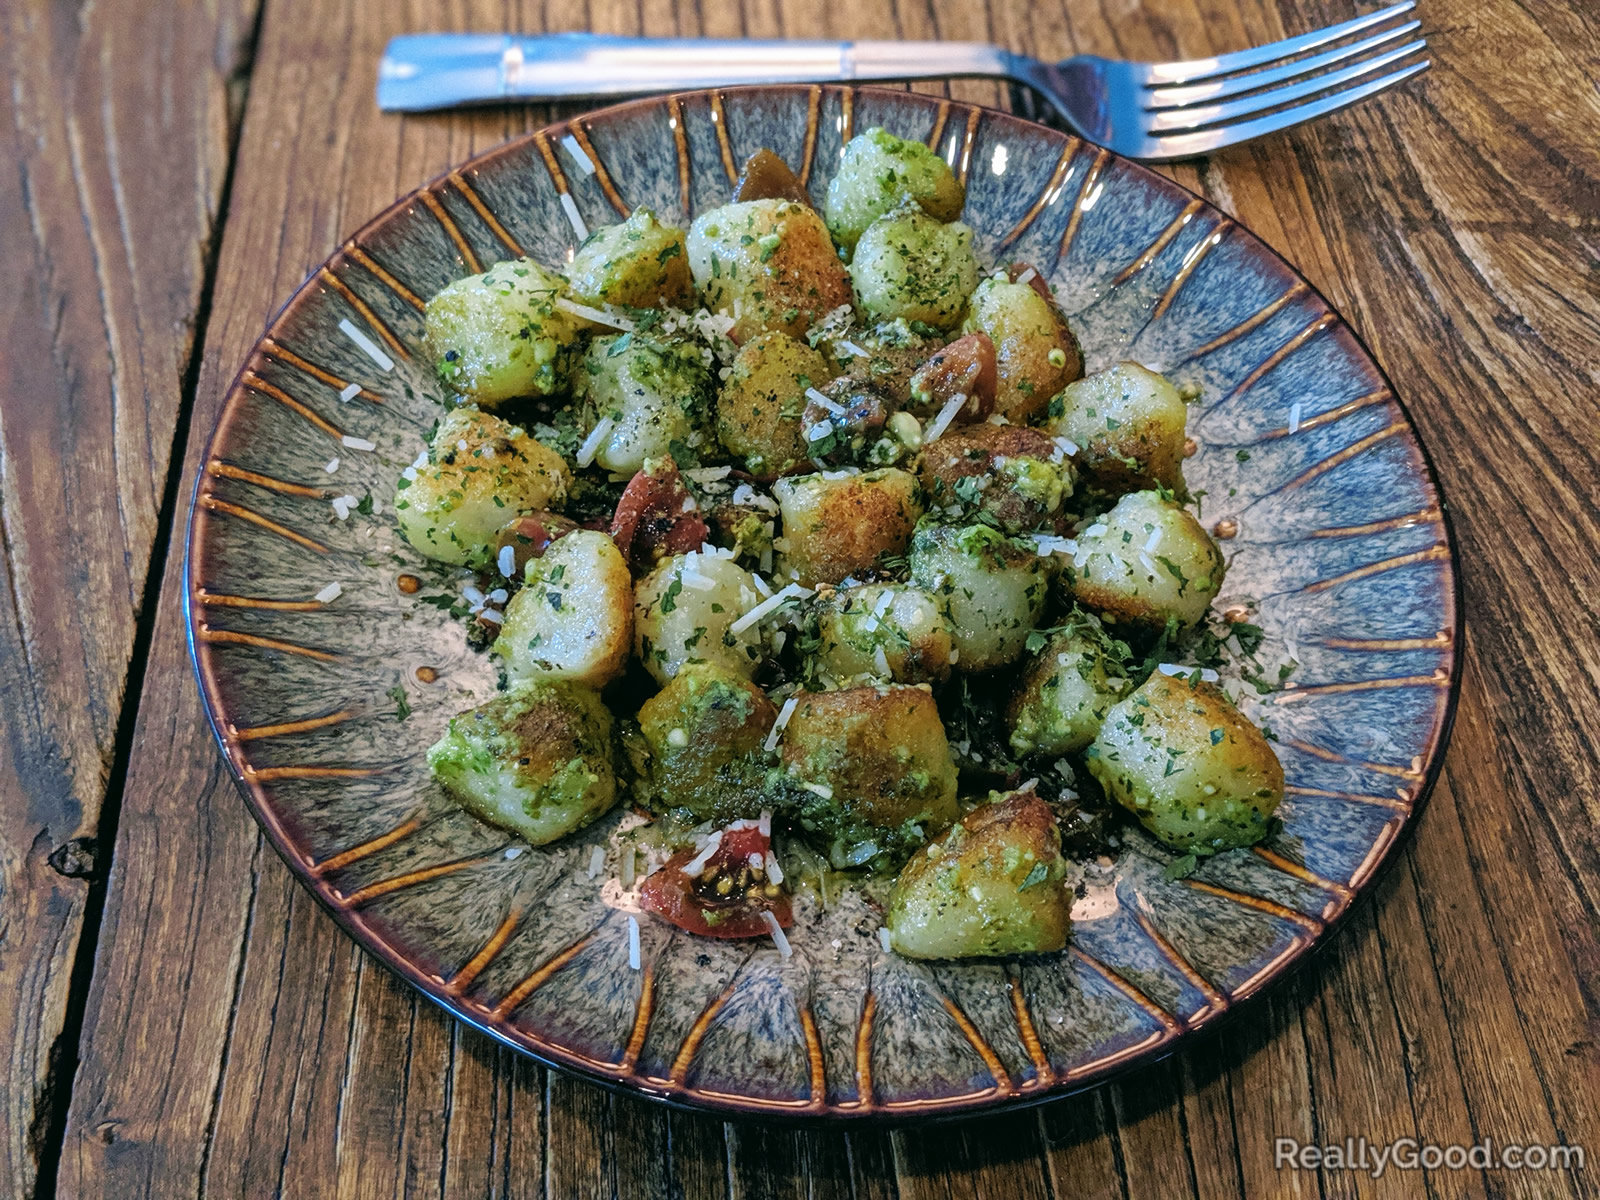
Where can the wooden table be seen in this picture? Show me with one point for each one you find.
(181, 1020)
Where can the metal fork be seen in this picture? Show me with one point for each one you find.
(1150, 111)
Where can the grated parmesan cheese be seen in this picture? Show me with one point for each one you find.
(634, 957)
(599, 316)
(776, 930)
(791, 591)
(330, 593)
(570, 207)
(591, 444)
(775, 734)
(356, 443)
(947, 414)
(836, 409)
(366, 345)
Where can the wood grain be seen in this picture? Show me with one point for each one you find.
(117, 143)
(237, 1044)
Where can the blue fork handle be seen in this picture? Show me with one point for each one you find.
(427, 71)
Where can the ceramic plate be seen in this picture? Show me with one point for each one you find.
(1311, 471)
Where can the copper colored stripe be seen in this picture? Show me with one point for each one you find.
(1301, 872)
(1282, 352)
(680, 140)
(968, 140)
(212, 600)
(847, 114)
(436, 207)
(814, 1058)
(1333, 414)
(212, 504)
(864, 1050)
(273, 391)
(697, 1034)
(1215, 1000)
(719, 118)
(1206, 245)
(546, 152)
(1259, 903)
(540, 977)
(1355, 797)
(1427, 516)
(270, 773)
(1439, 641)
(1153, 1009)
(813, 113)
(1156, 1038)
(357, 255)
(1172, 230)
(344, 858)
(939, 120)
(410, 879)
(1342, 456)
(641, 1020)
(470, 195)
(228, 471)
(229, 637)
(1375, 854)
(1268, 970)
(290, 727)
(284, 354)
(1091, 178)
(1291, 694)
(601, 175)
(496, 943)
(991, 1060)
(1057, 177)
(1044, 1074)
(1245, 326)
(361, 306)
(1431, 554)
(1330, 756)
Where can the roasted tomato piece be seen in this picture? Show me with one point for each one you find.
(657, 516)
(528, 537)
(768, 177)
(727, 891)
(966, 367)
(1017, 270)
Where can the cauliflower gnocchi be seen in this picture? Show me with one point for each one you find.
(836, 524)
(769, 264)
(1188, 765)
(640, 263)
(806, 559)
(877, 173)
(1127, 423)
(573, 617)
(479, 471)
(1036, 354)
(502, 334)
(1147, 561)
(686, 611)
(911, 266)
(640, 395)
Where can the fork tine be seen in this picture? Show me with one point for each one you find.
(1202, 141)
(1221, 89)
(1259, 56)
(1188, 145)
(1173, 120)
